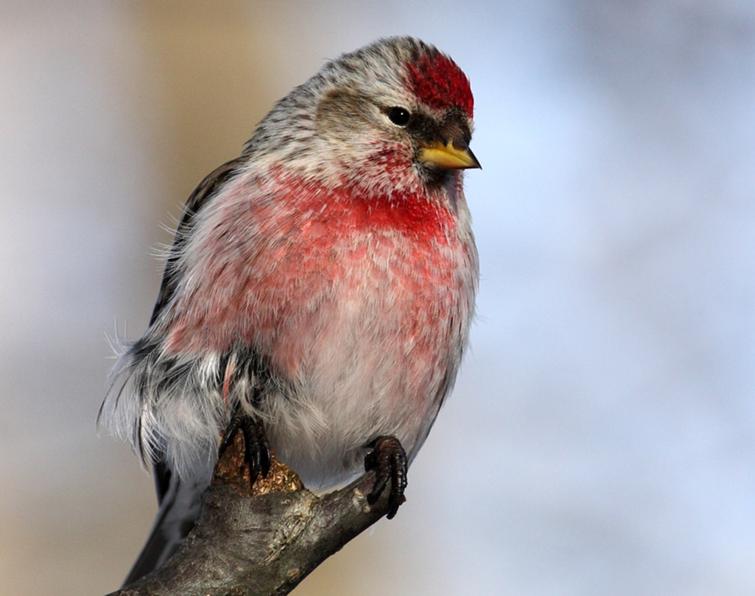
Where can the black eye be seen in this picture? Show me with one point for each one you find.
(399, 116)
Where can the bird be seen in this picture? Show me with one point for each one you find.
(318, 294)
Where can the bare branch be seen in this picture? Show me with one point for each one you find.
(263, 543)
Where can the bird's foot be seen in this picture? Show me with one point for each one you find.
(256, 449)
(388, 460)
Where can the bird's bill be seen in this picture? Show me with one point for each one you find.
(448, 157)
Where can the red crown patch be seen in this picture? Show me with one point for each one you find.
(437, 81)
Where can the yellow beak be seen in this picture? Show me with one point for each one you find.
(448, 157)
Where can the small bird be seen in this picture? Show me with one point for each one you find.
(318, 294)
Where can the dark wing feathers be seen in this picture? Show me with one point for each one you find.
(201, 196)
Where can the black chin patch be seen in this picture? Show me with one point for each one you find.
(434, 176)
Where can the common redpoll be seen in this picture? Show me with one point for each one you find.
(319, 292)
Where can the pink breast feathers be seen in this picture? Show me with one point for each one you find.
(268, 268)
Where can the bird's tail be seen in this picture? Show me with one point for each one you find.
(180, 501)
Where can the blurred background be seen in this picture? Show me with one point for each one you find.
(601, 437)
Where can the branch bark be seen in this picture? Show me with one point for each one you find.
(261, 543)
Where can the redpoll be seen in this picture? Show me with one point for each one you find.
(319, 292)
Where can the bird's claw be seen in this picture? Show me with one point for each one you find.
(388, 460)
(256, 448)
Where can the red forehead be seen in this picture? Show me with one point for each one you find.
(438, 82)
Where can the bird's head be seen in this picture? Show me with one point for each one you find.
(395, 114)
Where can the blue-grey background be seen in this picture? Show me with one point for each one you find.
(601, 437)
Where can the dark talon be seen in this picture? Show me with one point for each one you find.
(256, 448)
(388, 460)
(230, 433)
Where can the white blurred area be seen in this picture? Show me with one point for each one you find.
(601, 437)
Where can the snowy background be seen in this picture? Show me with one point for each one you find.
(601, 437)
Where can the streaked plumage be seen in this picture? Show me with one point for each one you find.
(324, 280)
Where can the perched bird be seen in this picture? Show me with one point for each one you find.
(319, 291)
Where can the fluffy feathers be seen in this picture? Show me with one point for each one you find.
(325, 280)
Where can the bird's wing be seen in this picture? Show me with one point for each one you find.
(201, 196)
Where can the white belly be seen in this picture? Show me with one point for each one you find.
(377, 362)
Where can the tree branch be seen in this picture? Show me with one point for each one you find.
(265, 542)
